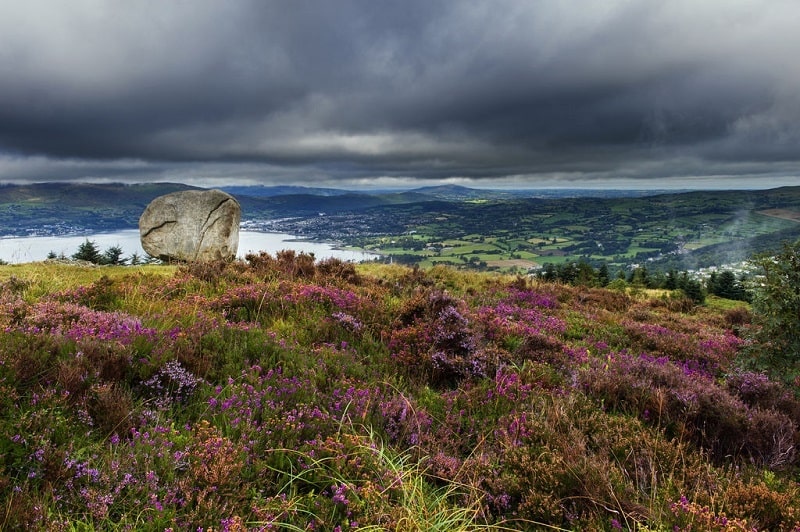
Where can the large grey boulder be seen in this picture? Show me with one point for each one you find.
(191, 225)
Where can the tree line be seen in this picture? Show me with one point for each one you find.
(89, 251)
(723, 284)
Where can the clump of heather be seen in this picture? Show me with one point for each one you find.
(685, 400)
(172, 384)
(102, 294)
(284, 393)
(433, 339)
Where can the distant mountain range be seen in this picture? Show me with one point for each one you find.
(439, 192)
(260, 191)
(113, 206)
(443, 192)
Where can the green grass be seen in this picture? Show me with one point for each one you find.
(48, 277)
(722, 304)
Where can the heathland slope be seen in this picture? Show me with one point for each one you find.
(280, 393)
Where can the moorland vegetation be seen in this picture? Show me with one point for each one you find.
(284, 393)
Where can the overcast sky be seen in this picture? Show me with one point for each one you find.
(647, 93)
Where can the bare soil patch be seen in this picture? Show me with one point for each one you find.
(784, 214)
(510, 263)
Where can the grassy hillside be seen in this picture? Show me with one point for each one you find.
(283, 394)
(680, 231)
(64, 207)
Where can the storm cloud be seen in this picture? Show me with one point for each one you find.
(365, 91)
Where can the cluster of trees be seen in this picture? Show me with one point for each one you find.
(90, 252)
(576, 273)
(724, 284)
(776, 312)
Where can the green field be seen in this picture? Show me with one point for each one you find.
(672, 231)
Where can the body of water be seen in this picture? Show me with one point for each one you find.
(36, 248)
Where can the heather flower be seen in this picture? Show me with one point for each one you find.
(336, 298)
(339, 494)
(404, 421)
(505, 319)
(443, 346)
(172, 384)
(531, 299)
(78, 323)
(347, 321)
(757, 390)
(501, 502)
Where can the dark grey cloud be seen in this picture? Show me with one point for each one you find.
(526, 92)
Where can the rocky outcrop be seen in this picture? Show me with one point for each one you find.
(191, 225)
